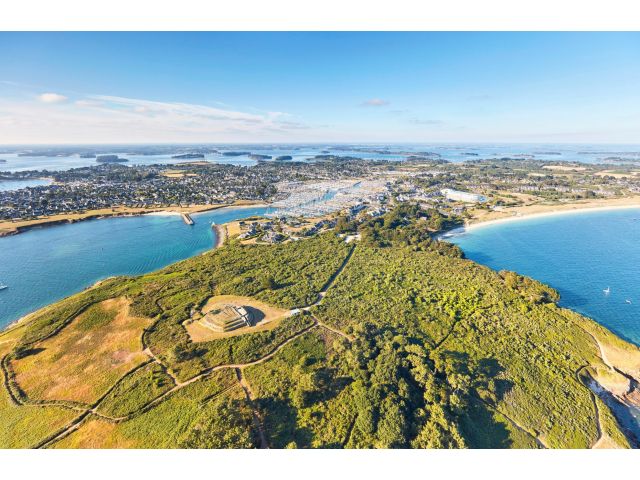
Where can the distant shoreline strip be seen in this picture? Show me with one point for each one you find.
(530, 216)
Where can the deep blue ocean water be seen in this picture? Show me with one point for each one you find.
(43, 265)
(580, 254)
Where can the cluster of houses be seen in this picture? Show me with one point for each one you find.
(281, 229)
(135, 187)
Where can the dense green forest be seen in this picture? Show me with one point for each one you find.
(395, 341)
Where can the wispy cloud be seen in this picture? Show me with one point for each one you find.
(52, 98)
(107, 118)
(375, 102)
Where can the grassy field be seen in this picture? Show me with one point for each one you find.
(25, 426)
(182, 420)
(136, 390)
(86, 358)
(412, 347)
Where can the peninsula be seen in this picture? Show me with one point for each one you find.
(369, 334)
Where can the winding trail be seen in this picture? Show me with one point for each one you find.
(75, 424)
(93, 410)
(323, 293)
(347, 437)
(257, 421)
(537, 439)
(580, 379)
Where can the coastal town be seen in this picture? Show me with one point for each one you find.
(320, 188)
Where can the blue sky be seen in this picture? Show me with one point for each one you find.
(319, 87)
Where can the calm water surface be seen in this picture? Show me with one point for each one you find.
(579, 254)
(9, 185)
(451, 152)
(46, 264)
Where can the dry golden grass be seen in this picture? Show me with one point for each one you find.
(177, 174)
(233, 229)
(82, 361)
(96, 433)
(563, 168)
(9, 337)
(609, 173)
(624, 357)
(164, 425)
(24, 426)
(268, 318)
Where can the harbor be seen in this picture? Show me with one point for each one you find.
(186, 218)
(322, 198)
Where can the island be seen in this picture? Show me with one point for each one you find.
(110, 159)
(258, 157)
(284, 158)
(235, 154)
(2, 160)
(188, 156)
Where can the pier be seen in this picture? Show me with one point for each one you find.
(187, 218)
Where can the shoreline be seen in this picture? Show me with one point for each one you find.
(26, 318)
(220, 231)
(221, 235)
(8, 228)
(521, 215)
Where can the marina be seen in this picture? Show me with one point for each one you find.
(318, 199)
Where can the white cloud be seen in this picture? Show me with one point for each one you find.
(52, 98)
(375, 102)
(104, 118)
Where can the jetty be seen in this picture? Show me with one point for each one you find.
(187, 218)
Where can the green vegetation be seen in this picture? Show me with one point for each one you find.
(410, 225)
(24, 426)
(194, 417)
(465, 332)
(411, 347)
(136, 390)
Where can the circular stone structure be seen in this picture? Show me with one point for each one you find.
(227, 318)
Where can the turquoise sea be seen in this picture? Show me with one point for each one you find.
(580, 254)
(43, 265)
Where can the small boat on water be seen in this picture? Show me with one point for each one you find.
(607, 290)
(627, 301)
(3, 286)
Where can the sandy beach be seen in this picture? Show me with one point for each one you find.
(8, 227)
(486, 218)
(221, 235)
